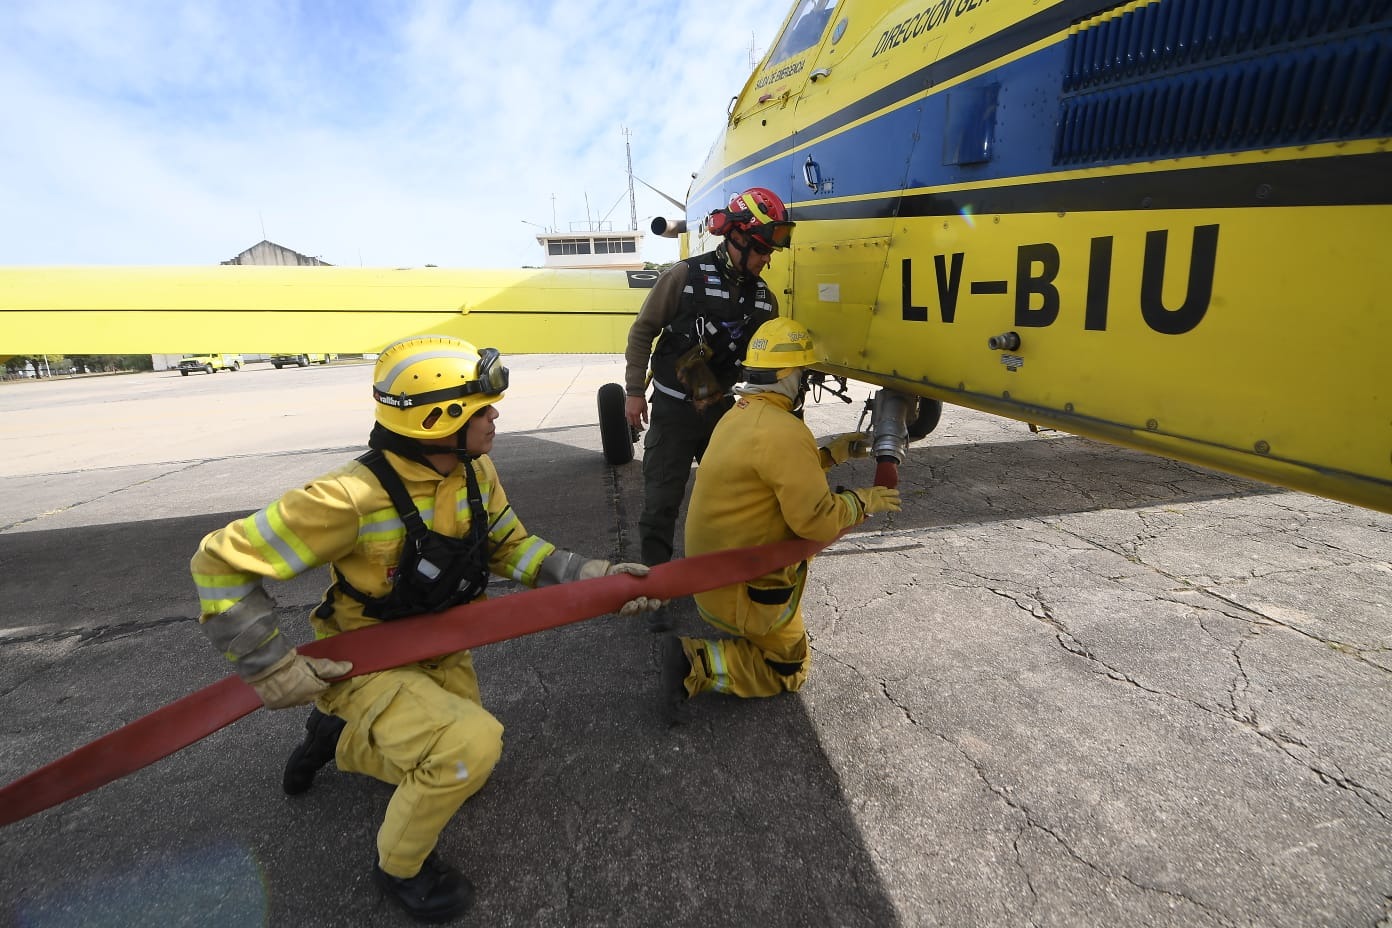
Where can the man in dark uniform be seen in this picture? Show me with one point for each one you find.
(702, 311)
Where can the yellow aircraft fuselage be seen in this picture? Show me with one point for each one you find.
(1160, 224)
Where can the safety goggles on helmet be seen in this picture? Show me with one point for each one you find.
(765, 238)
(492, 380)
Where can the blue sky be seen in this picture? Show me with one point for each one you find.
(384, 134)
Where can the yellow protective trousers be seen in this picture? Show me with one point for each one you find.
(422, 728)
(770, 655)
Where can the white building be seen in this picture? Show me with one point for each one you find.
(598, 246)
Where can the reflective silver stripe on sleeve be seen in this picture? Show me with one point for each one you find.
(291, 557)
(559, 567)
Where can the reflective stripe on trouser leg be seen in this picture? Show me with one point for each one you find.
(423, 730)
(740, 666)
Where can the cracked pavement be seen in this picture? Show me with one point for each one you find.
(1069, 685)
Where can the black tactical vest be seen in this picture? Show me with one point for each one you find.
(729, 313)
(436, 571)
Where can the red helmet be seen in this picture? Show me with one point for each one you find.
(759, 214)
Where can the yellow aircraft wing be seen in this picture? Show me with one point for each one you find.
(238, 308)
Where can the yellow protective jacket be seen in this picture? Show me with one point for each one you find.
(346, 519)
(761, 481)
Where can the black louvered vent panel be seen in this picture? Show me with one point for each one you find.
(1175, 77)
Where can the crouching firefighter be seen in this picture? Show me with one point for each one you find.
(417, 524)
(761, 481)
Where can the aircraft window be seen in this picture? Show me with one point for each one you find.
(805, 28)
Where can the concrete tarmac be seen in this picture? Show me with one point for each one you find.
(1069, 685)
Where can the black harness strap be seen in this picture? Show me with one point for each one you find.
(420, 538)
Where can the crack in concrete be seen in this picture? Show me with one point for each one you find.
(99, 497)
(1326, 771)
(89, 635)
(1342, 647)
(1027, 816)
(618, 550)
(1031, 821)
(1247, 718)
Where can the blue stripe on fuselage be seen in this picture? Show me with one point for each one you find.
(904, 149)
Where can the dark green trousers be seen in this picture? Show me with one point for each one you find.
(677, 435)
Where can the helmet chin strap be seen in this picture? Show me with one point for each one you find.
(384, 439)
(461, 444)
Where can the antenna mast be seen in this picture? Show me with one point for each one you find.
(632, 202)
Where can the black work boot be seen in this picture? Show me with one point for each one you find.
(437, 893)
(672, 668)
(316, 750)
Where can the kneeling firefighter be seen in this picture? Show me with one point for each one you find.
(761, 481)
(415, 525)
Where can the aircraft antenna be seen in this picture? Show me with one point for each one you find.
(632, 202)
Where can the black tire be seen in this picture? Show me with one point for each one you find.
(183, 373)
(276, 364)
(614, 433)
(207, 368)
(929, 412)
(302, 361)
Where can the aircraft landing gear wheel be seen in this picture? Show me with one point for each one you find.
(614, 432)
(929, 412)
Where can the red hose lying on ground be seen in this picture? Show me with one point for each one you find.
(380, 647)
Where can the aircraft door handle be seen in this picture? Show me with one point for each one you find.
(812, 174)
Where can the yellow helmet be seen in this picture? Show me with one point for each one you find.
(780, 345)
(427, 386)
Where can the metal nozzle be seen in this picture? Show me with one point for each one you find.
(889, 425)
(668, 228)
(1006, 341)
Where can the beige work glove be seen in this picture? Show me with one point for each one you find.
(602, 568)
(295, 680)
(878, 499)
(838, 449)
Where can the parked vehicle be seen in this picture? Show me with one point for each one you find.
(300, 360)
(209, 363)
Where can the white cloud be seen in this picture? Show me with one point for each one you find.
(382, 134)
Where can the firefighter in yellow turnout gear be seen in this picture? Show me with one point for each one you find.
(415, 525)
(762, 480)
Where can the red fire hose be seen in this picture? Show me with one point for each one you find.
(380, 647)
